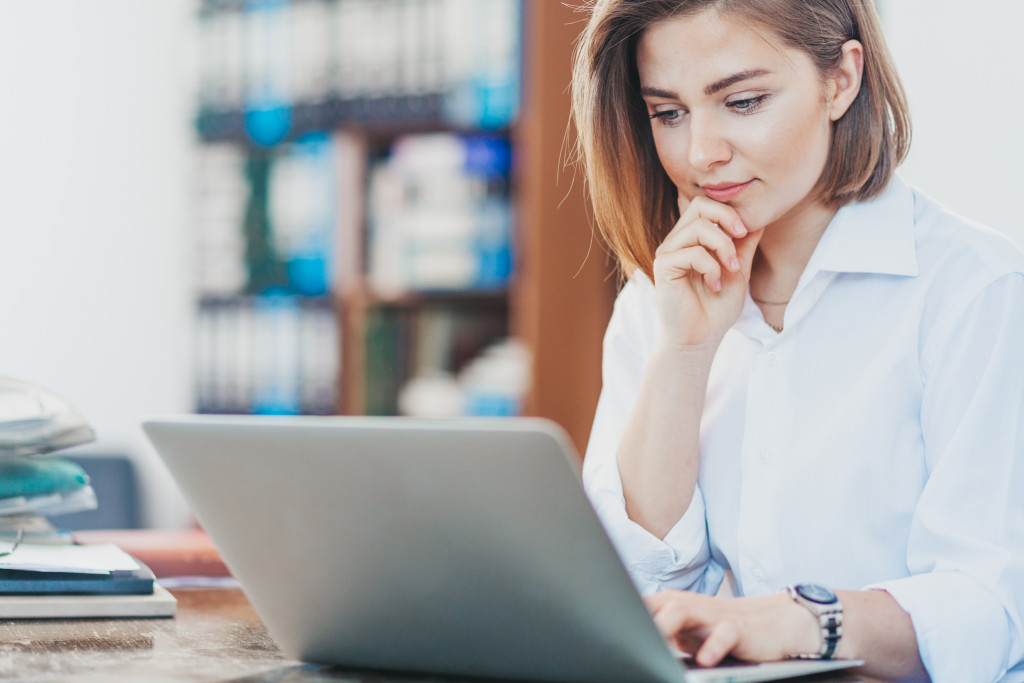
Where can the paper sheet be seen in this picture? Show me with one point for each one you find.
(77, 559)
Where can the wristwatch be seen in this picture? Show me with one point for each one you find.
(825, 606)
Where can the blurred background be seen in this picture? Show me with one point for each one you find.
(354, 206)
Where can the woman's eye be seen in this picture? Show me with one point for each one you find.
(669, 117)
(747, 104)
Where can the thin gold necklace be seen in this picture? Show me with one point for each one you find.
(762, 302)
(769, 303)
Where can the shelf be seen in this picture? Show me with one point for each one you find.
(473, 297)
(208, 299)
(560, 292)
(385, 115)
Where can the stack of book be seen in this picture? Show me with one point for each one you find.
(39, 581)
(42, 573)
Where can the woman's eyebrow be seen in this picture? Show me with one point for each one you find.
(721, 84)
(735, 78)
(646, 91)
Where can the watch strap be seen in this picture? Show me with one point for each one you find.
(830, 620)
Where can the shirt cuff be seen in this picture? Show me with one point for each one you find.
(679, 561)
(963, 632)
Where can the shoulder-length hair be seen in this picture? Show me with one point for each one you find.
(634, 201)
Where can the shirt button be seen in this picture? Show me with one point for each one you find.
(758, 574)
(763, 456)
(772, 357)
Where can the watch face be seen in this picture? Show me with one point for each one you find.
(815, 593)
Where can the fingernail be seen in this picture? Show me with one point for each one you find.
(717, 285)
(740, 228)
(734, 263)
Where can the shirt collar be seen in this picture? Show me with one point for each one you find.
(876, 236)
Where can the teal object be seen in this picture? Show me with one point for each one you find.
(268, 122)
(26, 476)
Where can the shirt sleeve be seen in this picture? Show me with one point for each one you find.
(681, 560)
(965, 552)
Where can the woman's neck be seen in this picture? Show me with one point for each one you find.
(784, 251)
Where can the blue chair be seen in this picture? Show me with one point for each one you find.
(114, 479)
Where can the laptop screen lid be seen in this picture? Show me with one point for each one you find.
(464, 547)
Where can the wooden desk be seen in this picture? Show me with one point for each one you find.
(215, 637)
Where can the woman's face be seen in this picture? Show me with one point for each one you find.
(736, 116)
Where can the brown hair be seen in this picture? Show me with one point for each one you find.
(633, 199)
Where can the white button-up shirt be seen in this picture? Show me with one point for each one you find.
(878, 441)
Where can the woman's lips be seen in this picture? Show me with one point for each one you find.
(723, 192)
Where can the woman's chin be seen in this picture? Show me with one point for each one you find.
(752, 220)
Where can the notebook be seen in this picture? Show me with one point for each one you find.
(463, 547)
(158, 603)
(131, 582)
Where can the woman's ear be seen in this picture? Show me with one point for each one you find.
(845, 84)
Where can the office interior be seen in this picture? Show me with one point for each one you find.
(355, 206)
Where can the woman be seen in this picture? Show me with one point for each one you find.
(811, 378)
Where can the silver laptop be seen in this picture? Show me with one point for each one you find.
(445, 547)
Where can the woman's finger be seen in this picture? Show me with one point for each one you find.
(673, 617)
(682, 616)
(705, 234)
(676, 265)
(722, 640)
(722, 215)
(745, 249)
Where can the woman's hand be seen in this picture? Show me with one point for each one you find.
(772, 627)
(760, 629)
(701, 271)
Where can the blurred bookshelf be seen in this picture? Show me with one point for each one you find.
(379, 212)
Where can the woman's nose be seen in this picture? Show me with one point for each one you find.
(708, 146)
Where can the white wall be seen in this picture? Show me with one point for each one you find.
(961, 67)
(94, 209)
